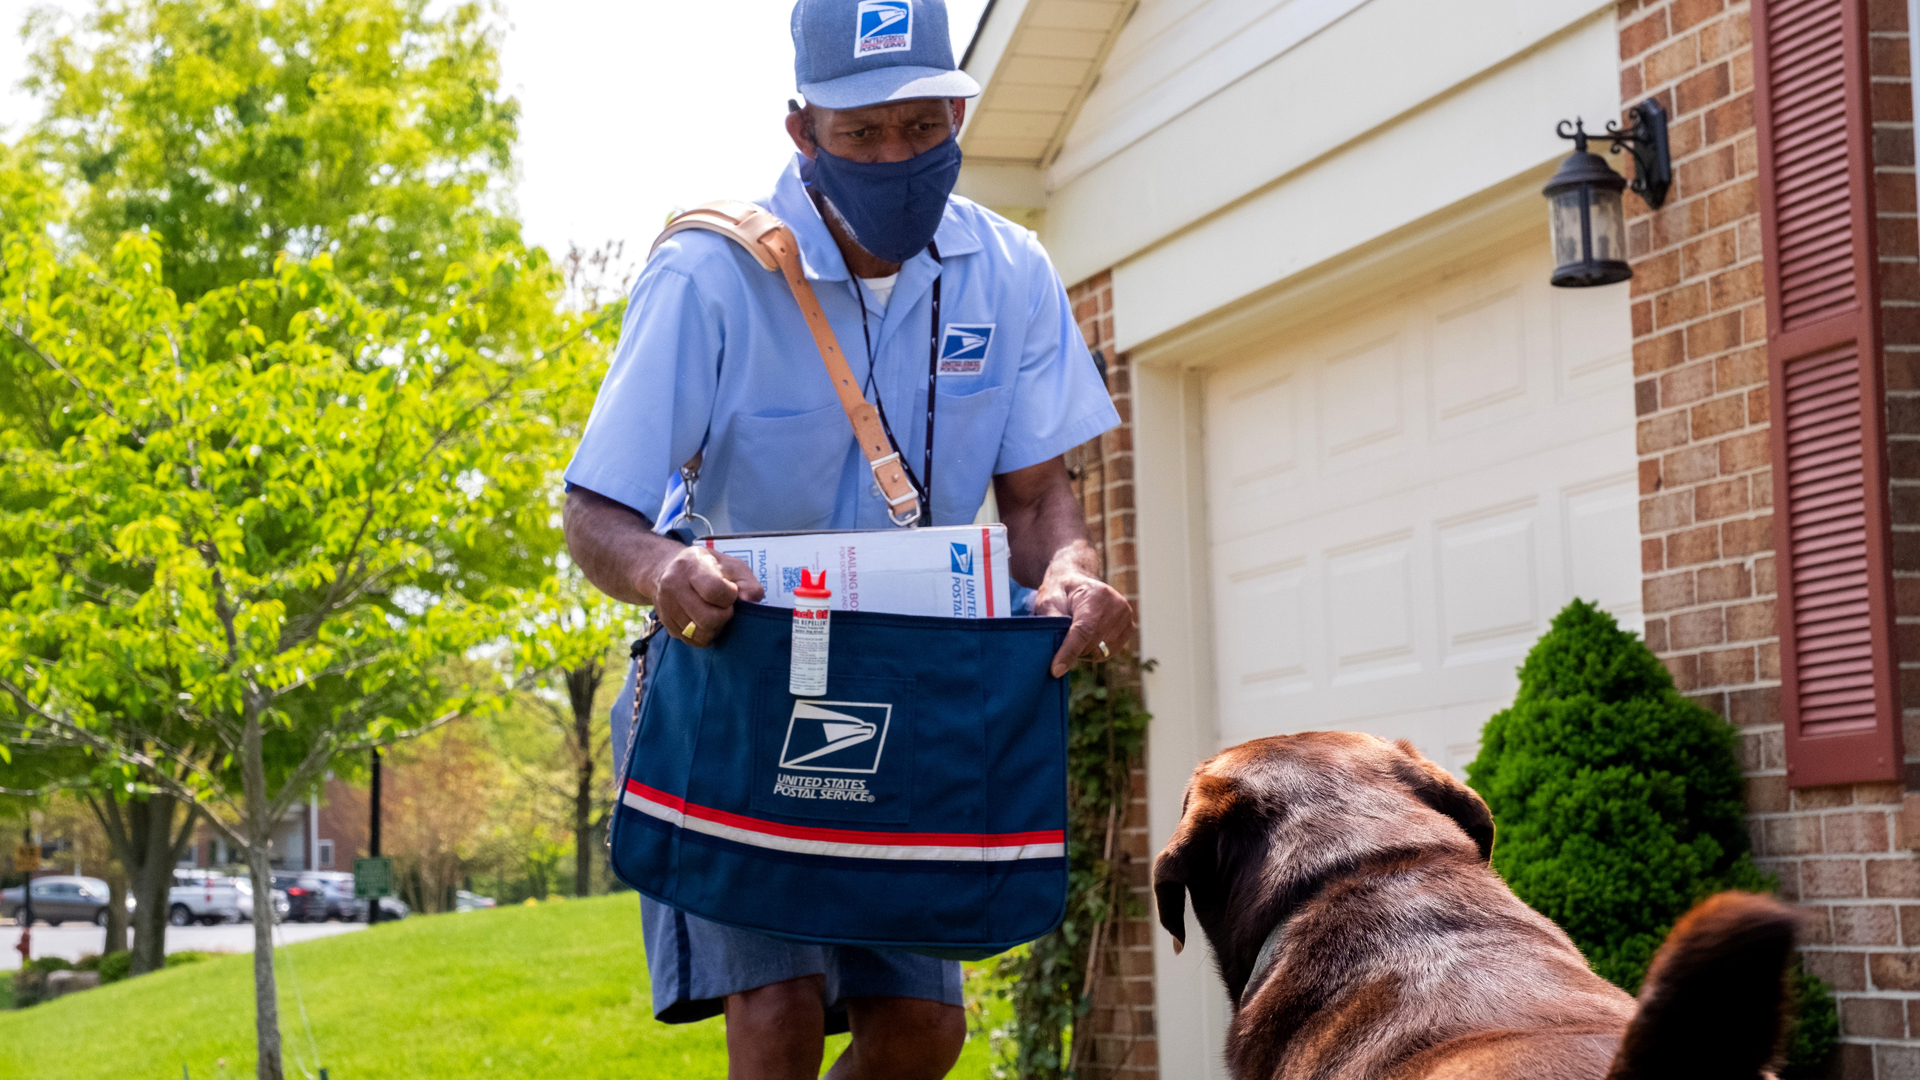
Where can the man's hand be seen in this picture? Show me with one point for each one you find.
(617, 549)
(1101, 616)
(697, 589)
(1047, 540)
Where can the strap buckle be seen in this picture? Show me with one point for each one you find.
(901, 518)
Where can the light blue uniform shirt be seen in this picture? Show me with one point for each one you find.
(715, 355)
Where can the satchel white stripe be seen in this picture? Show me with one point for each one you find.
(840, 849)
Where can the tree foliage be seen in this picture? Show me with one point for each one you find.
(373, 131)
(238, 553)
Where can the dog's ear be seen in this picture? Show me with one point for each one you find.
(1170, 875)
(1437, 788)
(1191, 853)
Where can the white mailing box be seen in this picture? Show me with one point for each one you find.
(958, 571)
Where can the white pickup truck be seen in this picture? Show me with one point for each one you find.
(202, 896)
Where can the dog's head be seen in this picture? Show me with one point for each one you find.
(1267, 822)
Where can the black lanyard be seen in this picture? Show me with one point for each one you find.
(922, 484)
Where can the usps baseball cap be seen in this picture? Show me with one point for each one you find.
(850, 53)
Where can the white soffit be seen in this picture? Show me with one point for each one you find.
(1482, 135)
(1378, 65)
(1036, 59)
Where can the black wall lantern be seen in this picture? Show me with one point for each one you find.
(1588, 226)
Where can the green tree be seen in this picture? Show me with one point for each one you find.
(368, 130)
(233, 130)
(564, 646)
(271, 541)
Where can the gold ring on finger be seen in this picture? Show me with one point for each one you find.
(1105, 653)
(690, 629)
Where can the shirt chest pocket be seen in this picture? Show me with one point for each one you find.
(784, 472)
(967, 429)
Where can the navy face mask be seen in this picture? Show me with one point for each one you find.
(893, 207)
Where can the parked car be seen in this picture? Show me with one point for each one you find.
(341, 903)
(61, 899)
(202, 896)
(392, 908)
(466, 901)
(306, 895)
(282, 904)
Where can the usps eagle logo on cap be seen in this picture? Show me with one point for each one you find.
(883, 26)
(963, 350)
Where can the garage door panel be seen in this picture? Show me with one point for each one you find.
(1362, 400)
(1263, 430)
(1590, 355)
(1598, 514)
(1400, 500)
(1370, 617)
(1489, 583)
(1271, 631)
(1478, 363)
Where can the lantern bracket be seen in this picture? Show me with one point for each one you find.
(1646, 140)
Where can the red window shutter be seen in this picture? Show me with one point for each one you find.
(1840, 694)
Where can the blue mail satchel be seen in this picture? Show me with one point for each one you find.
(920, 804)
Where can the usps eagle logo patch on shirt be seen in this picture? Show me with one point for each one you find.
(963, 349)
(884, 26)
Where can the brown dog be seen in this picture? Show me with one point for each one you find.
(1343, 883)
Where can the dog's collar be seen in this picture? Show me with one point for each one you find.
(1264, 961)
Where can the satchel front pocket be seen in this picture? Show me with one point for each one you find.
(845, 758)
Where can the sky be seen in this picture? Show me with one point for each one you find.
(630, 110)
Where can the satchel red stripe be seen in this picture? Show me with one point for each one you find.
(855, 843)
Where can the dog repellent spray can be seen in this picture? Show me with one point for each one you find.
(807, 677)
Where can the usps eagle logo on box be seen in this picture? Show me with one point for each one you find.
(883, 26)
(963, 349)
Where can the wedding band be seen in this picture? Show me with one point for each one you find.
(1105, 653)
(691, 629)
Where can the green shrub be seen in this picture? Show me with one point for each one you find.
(188, 956)
(115, 966)
(1618, 805)
(1617, 800)
(1814, 1029)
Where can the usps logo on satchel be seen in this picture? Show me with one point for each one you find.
(884, 26)
(836, 736)
(963, 350)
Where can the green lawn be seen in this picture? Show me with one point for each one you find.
(558, 990)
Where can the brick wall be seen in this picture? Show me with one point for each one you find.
(1706, 489)
(1121, 1021)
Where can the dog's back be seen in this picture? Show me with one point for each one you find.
(1711, 1009)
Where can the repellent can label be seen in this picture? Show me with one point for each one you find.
(808, 675)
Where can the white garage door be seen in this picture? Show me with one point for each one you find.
(1401, 497)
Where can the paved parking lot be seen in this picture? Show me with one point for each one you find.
(74, 941)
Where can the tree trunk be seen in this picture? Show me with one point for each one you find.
(116, 915)
(583, 685)
(266, 1000)
(144, 842)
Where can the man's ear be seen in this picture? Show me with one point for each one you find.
(1437, 788)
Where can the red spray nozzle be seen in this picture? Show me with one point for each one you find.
(813, 589)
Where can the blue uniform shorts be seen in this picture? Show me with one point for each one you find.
(695, 964)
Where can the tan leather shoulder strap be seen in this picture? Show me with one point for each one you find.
(772, 245)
